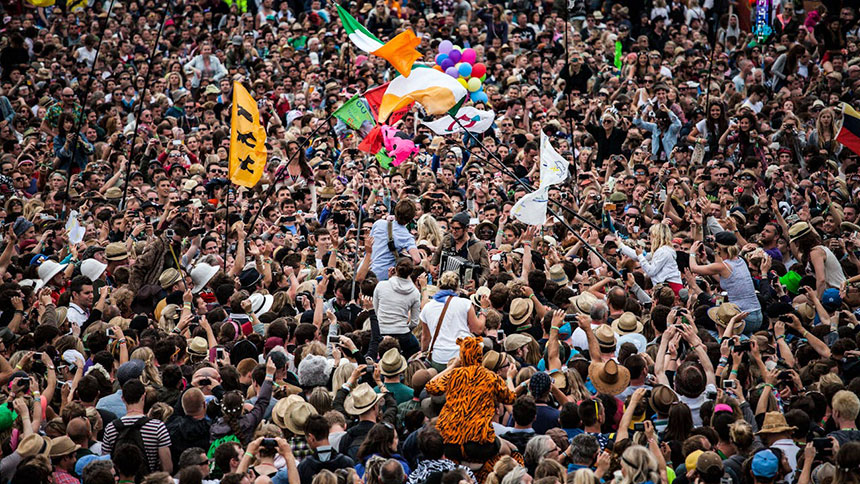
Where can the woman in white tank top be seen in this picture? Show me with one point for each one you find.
(817, 258)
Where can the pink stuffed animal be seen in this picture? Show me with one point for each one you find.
(398, 145)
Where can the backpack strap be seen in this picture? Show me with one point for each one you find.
(438, 327)
(391, 246)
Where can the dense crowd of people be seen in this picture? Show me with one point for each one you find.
(686, 314)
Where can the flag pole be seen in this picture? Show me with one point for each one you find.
(357, 236)
(140, 106)
(279, 176)
(84, 98)
(226, 222)
(558, 217)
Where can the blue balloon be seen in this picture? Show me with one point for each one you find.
(440, 59)
(446, 64)
(478, 96)
(465, 70)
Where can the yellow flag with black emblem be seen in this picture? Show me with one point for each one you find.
(247, 139)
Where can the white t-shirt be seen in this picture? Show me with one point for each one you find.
(455, 325)
(579, 339)
(696, 403)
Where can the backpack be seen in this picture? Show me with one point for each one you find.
(131, 434)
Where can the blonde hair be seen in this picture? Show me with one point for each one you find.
(325, 477)
(449, 280)
(640, 465)
(847, 404)
(550, 468)
(503, 466)
(150, 372)
(661, 235)
(584, 476)
(341, 375)
(428, 229)
(741, 434)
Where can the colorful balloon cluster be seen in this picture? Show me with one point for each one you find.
(461, 64)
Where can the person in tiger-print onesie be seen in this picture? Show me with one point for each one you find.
(472, 393)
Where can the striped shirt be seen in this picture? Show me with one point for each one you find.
(154, 434)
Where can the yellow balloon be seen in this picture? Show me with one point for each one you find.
(463, 82)
(474, 84)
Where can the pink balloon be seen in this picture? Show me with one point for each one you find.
(469, 56)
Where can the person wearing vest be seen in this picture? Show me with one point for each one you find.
(463, 244)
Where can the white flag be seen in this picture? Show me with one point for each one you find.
(531, 209)
(74, 229)
(553, 168)
(474, 120)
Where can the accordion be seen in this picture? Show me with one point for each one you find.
(463, 267)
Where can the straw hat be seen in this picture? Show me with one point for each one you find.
(481, 292)
(521, 310)
(169, 277)
(605, 336)
(279, 411)
(626, 324)
(583, 302)
(198, 346)
(723, 314)
(116, 251)
(34, 444)
(774, 423)
(493, 360)
(798, 230)
(662, 399)
(557, 275)
(609, 377)
(296, 415)
(392, 363)
(361, 399)
(63, 445)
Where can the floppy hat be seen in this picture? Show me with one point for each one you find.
(775, 423)
(516, 341)
(662, 399)
(63, 445)
(361, 399)
(392, 363)
(116, 251)
(627, 323)
(605, 336)
(609, 377)
(93, 269)
(557, 275)
(49, 269)
(521, 310)
(201, 275)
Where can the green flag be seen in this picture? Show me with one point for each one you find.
(383, 159)
(354, 113)
(618, 54)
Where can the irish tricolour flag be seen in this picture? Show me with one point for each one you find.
(436, 91)
(399, 51)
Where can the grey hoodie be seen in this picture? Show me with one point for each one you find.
(397, 303)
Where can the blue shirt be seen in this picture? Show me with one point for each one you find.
(382, 258)
(113, 403)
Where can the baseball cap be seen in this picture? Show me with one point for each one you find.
(765, 464)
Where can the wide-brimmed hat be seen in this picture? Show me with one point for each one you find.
(34, 444)
(485, 224)
(279, 411)
(605, 336)
(521, 310)
(201, 275)
(557, 275)
(662, 399)
(721, 315)
(49, 269)
(392, 363)
(481, 292)
(583, 302)
(609, 377)
(198, 346)
(296, 415)
(626, 324)
(516, 341)
(92, 269)
(798, 230)
(775, 423)
(63, 445)
(361, 399)
(116, 251)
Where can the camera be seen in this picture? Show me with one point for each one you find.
(743, 346)
(109, 332)
(371, 366)
(270, 443)
(729, 384)
(639, 427)
(169, 233)
(823, 445)
(37, 356)
(204, 382)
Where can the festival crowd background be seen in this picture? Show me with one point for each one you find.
(152, 333)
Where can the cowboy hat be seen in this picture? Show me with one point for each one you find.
(521, 310)
(774, 423)
(279, 411)
(723, 314)
(392, 363)
(609, 377)
(361, 399)
(626, 324)
(296, 415)
(662, 399)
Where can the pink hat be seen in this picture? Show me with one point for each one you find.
(360, 59)
(722, 407)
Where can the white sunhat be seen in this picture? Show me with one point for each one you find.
(201, 275)
(93, 269)
(49, 269)
(261, 303)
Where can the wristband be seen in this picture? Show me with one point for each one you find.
(248, 454)
(122, 341)
(269, 376)
(782, 336)
(771, 386)
(734, 372)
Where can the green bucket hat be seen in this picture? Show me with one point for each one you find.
(791, 281)
(7, 417)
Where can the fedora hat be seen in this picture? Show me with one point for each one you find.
(605, 336)
(609, 377)
(493, 360)
(662, 399)
(34, 444)
(521, 310)
(63, 445)
(361, 399)
(774, 423)
(392, 363)
(261, 303)
(557, 275)
(116, 251)
(583, 302)
(626, 324)
(798, 230)
(516, 341)
(169, 277)
(481, 292)
(721, 315)
(198, 346)
(296, 415)
(279, 411)
(201, 275)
